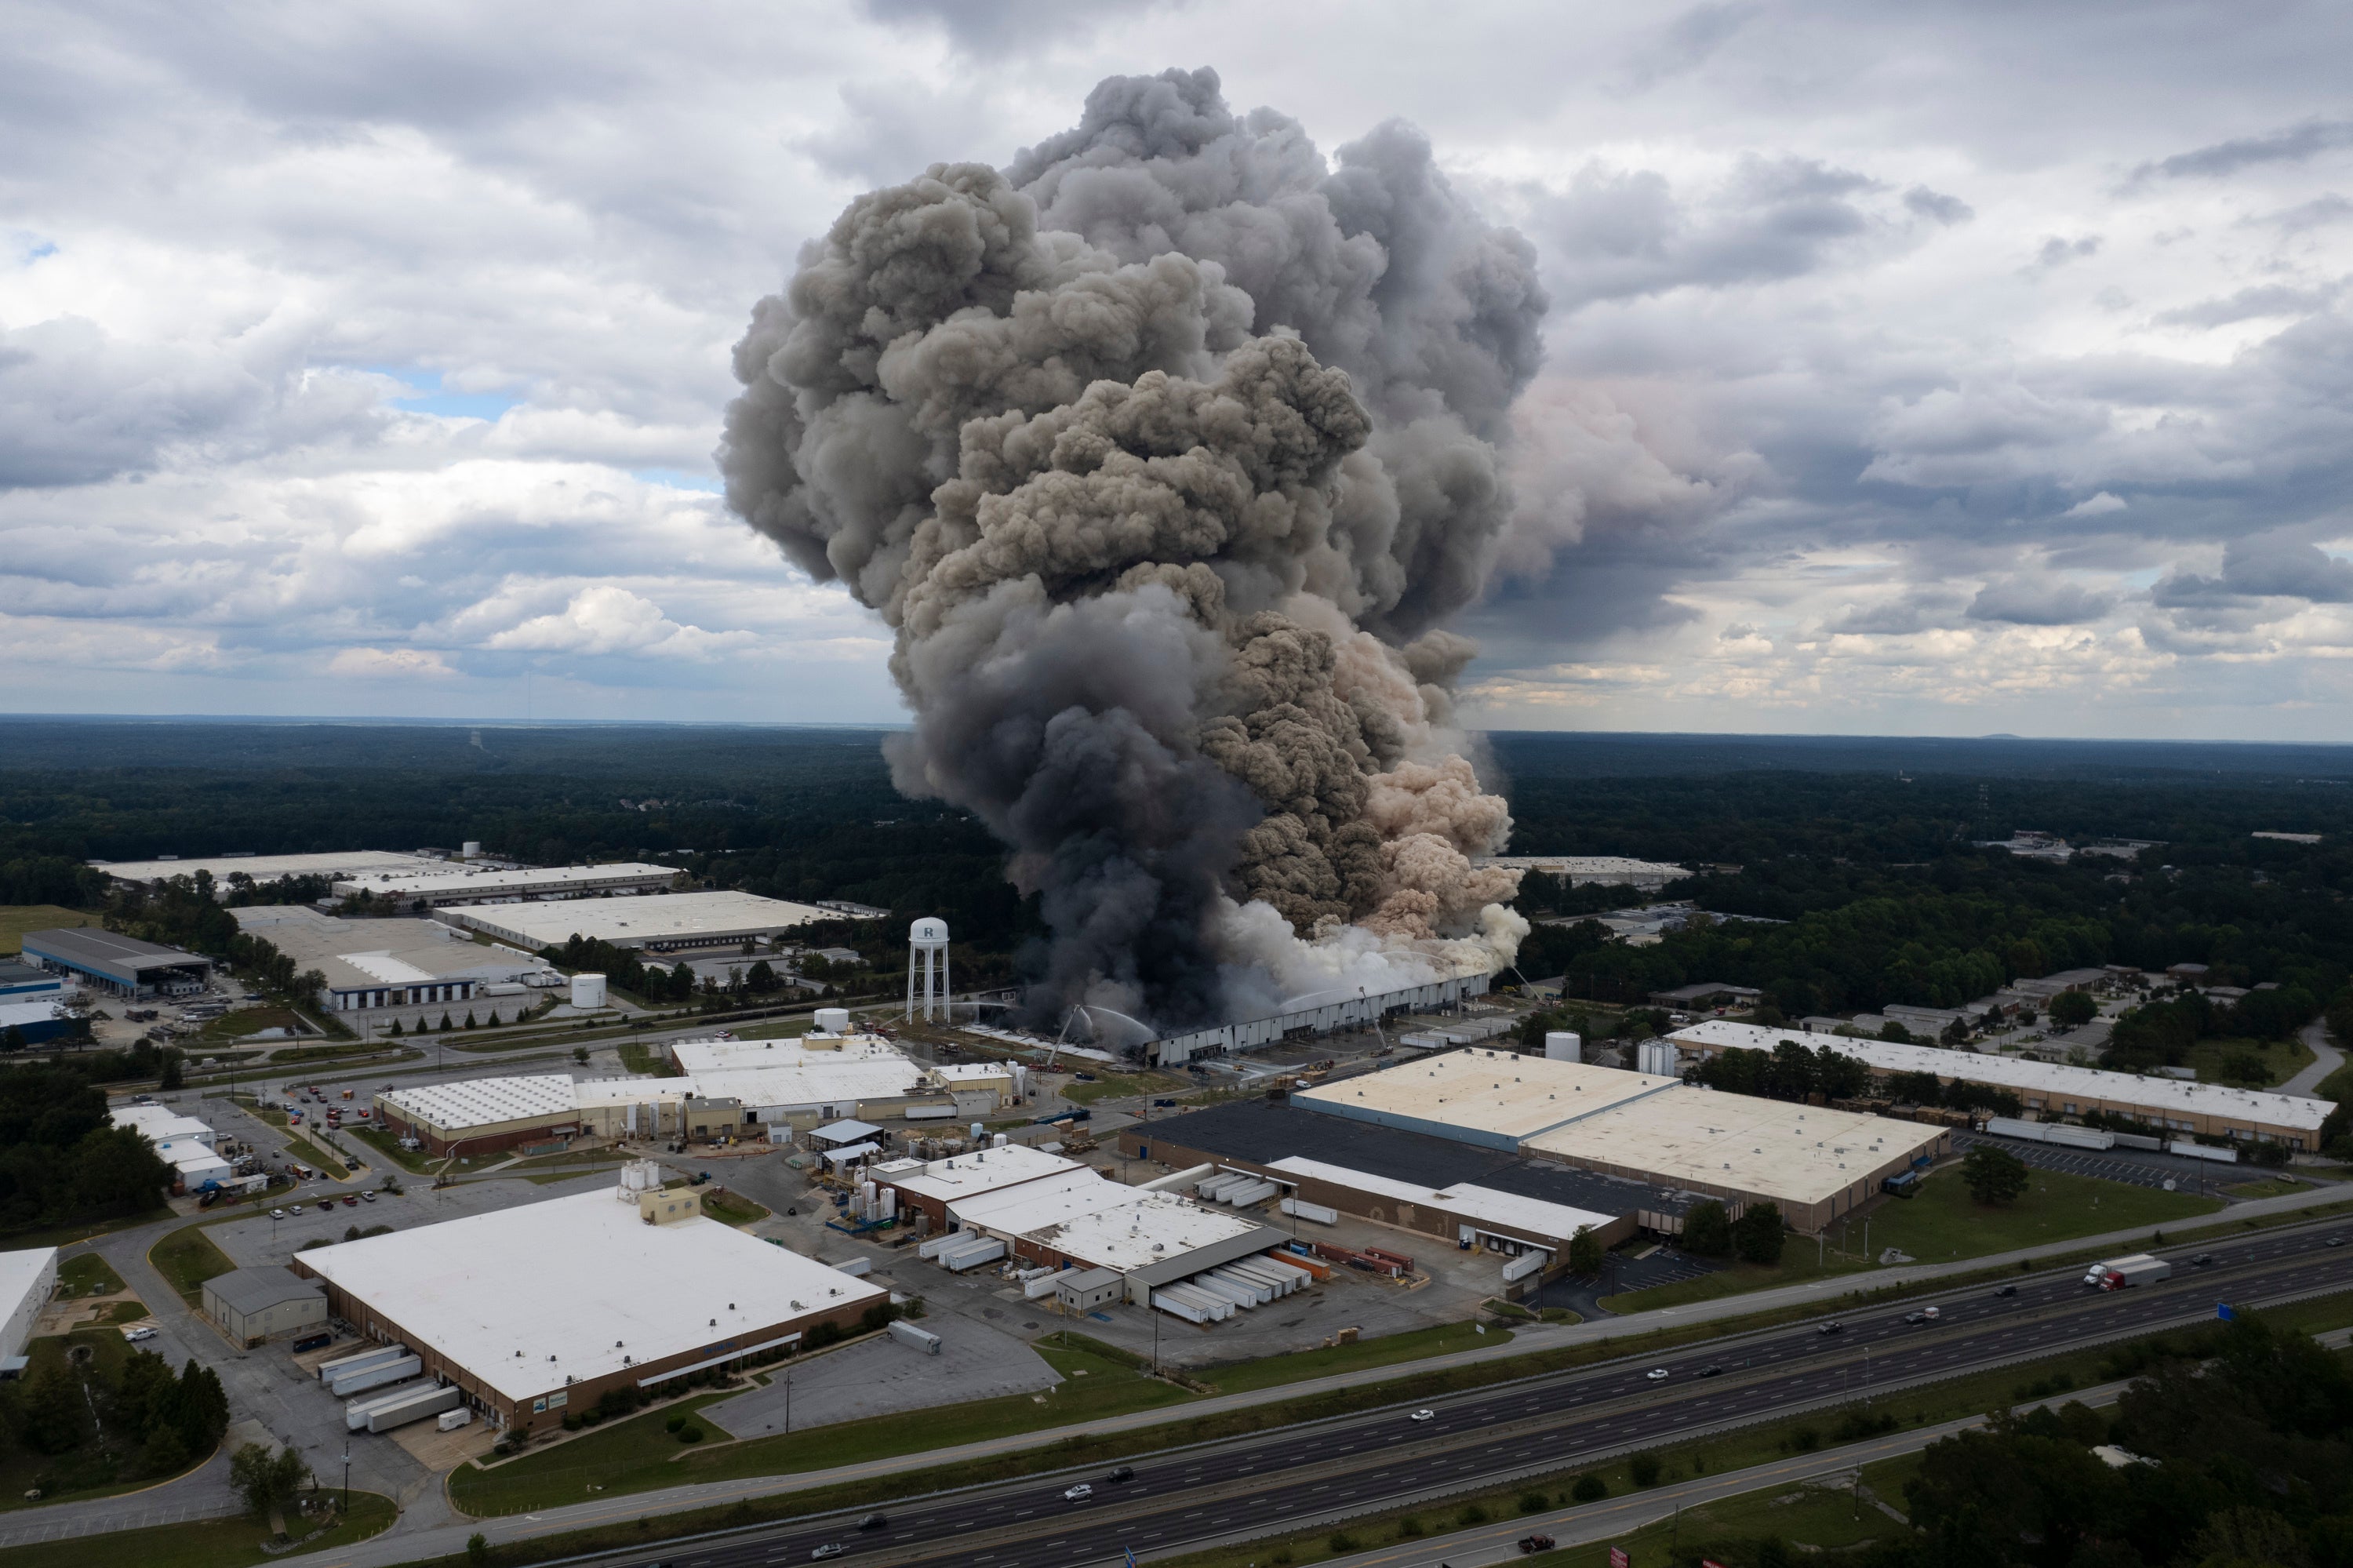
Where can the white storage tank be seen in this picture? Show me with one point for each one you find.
(1563, 1045)
(587, 991)
(472, 849)
(832, 1021)
(1659, 1058)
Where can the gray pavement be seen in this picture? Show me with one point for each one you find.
(2327, 1059)
(883, 1377)
(1619, 1517)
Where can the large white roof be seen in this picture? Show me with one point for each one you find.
(159, 1122)
(575, 1285)
(2163, 1097)
(484, 1102)
(1786, 1151)
(490, 881)
(1500, 1093)
(967, 1176)
(21, 1273)
(1481, 1206)
(1104, 1224)
(786, 1073)
(635, 921)
(587, 1091)
(270, 867)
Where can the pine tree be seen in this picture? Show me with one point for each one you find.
(51, 1410)
(395, 1030)
(469, 1018)
(445, 1018)
(203, 1406)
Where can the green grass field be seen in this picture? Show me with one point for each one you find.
(2282, 1060)
(201, 1543)
(15, 919)
(385, 1144)
(1267, 1371)
(240, 1022)
(188, 1257)
(1120, 1085)
(87, 1274)
(1943, 1223)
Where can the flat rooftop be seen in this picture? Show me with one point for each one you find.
(1104, 1223)
(1494, 1097)
(581, 1286)
(1468, 1200)
(967, 1176)
(103, 949)
(632, 922)
(259, 1289)
(1265, 1131)
(1785, 1150)
(442, 879)
(270, 867)
(159, 1122)
(355, 954)
(483, 1102)
(779, 1072)
(2047, 1080)
(20, 1275)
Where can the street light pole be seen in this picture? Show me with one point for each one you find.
(347, 1478)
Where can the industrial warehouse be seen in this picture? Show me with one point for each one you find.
(670, 922)
(1814, 1163)
(272, 868)
(124, 965)
(761, 1089)
(532, 1311)
(2051, 1090)
(367, 964)
(438, 885)
(1101, 1240)
(1434, 1186)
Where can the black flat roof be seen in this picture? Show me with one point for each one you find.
(1263, 1132)
(108, 952)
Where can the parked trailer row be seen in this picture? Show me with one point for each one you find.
(415, 1405)
(934, 1246)
(975, 1251)
(1192, 1304)
(329, 1370)
(1247, 1196)
(1307, 1211)
(383, 1375)
(2053, 1132)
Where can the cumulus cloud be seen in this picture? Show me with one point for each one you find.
(2098, 506)
(2039, 601)
(610, 620)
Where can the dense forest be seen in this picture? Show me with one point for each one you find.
(1863, 853)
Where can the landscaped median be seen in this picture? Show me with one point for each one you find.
(188, 1257)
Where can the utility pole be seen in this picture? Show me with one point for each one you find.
(347, 1478)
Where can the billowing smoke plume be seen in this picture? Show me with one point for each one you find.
(1167, 453)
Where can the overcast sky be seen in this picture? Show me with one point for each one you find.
(1924, 368)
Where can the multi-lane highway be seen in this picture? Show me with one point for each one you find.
(1297, 1476)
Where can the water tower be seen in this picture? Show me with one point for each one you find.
(927, 953)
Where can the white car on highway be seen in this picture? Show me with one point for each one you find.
(1657, 1374)
(1423, 1416)
(1079, 1493)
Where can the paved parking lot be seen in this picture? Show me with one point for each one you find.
(261, 1242)
(2139, 1168)
(977, 1361)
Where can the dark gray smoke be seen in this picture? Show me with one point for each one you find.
(1165, 452)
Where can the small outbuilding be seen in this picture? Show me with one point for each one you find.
(254, 1305)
